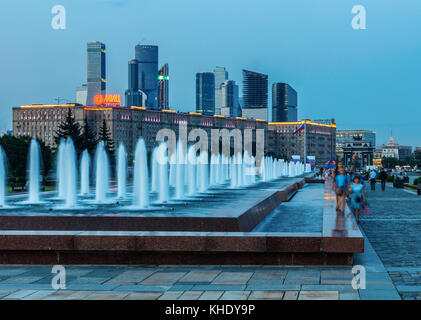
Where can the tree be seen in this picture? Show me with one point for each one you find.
(69, 127)
(105, 136)
(88, 138)
(390, 162)
(16, 150)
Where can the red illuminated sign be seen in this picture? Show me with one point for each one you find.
(107, 100)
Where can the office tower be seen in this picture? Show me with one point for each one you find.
(255, 95)
(284, 103)
(96, 70)
(82, 94)
(147, 56)
(163, 87)
(205, 93)
(230, 101)
(221, 75)
(134, 96)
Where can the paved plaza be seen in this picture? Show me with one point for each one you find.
(394, 230)
(392, 260)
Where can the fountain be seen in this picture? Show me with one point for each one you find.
(140, 176)
(163, 172)
(70, 178)
(102, 173)
(34, 172)
(203, 171)
(179, 176)
(155, 172)
(121, 171)
(191, 170)
(61, 169)
(2, 178)
(84, 173)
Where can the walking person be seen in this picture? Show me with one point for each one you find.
(383, 178)
(340, 187)
(357, 195)
(372, 179)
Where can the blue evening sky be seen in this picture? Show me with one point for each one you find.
(365, 79)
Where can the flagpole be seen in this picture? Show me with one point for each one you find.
(305, 142)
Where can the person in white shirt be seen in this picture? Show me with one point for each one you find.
(372, 179)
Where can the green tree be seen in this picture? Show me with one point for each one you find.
(69, 127)
(88, 137)
(105, 136)
(16, 150)
(390, 162)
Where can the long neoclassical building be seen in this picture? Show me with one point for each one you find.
(127, 124)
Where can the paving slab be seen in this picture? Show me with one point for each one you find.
(235, 295)
(170, 295)
(143, 296)
(232, 278)
(266, 295)
(318, 295)
(163, 278)
(130, 277)
(190, 295)
(291, 295)
(200, 276)
(211, 295)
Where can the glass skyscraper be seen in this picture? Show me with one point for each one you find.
(134, 96)
(96, 70)
(221, 75)
(147, 57)
(284, 103)
(255, 89)
(205, 93)
(163, 87)
(255, 95)
(230, 102)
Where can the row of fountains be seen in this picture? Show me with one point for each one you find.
(188, 173)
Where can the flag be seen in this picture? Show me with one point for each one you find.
(300, 128)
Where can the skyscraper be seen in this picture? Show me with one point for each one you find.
(205, 93)
(96, 70)
(147, 56)
(230, 101)
(81, 94)
(221, 75)
(163, 87)
(284, 103)
(255, 95)
(134, 96)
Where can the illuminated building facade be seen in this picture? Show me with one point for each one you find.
(128, 124)
(96, 70)
(318, 140)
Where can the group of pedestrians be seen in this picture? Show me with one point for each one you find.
(348, 185)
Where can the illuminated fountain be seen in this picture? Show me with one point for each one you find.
(84, 173)
(102, 173)
(140, 177)
(34, 172)
(121, 172)
(70, 177)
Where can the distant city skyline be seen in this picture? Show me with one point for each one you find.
(338, 72)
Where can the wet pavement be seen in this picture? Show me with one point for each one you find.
(304, 213)
(394, 229)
